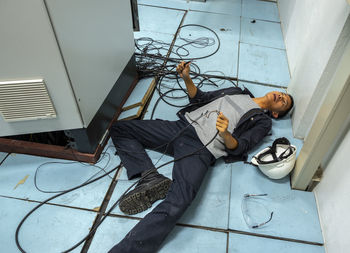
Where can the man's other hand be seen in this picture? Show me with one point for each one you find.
(222, 124)
(183, 69)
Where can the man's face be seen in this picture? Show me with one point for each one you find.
(278, 102)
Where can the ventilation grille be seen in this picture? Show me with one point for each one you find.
(25, 100)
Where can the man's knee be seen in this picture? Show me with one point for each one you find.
(119, 128)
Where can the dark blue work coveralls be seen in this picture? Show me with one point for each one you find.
(131, 138)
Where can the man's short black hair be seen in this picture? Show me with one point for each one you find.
(284, 113)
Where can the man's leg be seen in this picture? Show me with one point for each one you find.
(132, 137)
(188, 174)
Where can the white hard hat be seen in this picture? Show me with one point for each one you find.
(277, 161)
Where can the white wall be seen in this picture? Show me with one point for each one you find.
(333, 198)
(311, 30)
(316, 33)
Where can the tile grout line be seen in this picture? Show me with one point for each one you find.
(239, 42)
(257, 45)
(247, 81)
(178, 224)
(3, 160)
(265, 20)
(275, 237)
(262, 84)
(49, 203)
(229, 207)
(157, 76)
(250, 234)
(210, 12)
(103, 208)
(320, 218)
(228, 231)
(282, 49)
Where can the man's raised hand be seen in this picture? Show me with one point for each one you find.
(222, 124)
(183, 69)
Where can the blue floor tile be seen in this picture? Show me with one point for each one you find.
(2, 156)
(161, 20)
(263, 65)
(251, 244)
(260, 10)
(181, 239)
(231, 7)
(189, 240)
(295, 214)
(211, 205)
(208, 58)
(262, 33)
(220, 23)
(48, 229)
(138, 92)
(110, 232)
(57, 176)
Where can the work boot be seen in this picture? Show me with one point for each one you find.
(149, 189)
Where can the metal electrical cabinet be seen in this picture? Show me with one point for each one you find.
(64, 65)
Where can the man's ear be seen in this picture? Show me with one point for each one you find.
(274, 114)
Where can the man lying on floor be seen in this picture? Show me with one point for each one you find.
(239, 119)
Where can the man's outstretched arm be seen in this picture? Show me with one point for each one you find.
(184, 72)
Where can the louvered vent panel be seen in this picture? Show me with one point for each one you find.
(25, 100)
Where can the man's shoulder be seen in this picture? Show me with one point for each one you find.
(229, 91)
(237, 90)
(257, 116)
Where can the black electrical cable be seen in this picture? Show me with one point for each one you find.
(63, 163)
(162, 95)
(53, 197)
(147, 45)
(149, 58)
(159, 99)
(146, 58)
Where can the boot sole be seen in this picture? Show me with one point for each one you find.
(142, 200)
